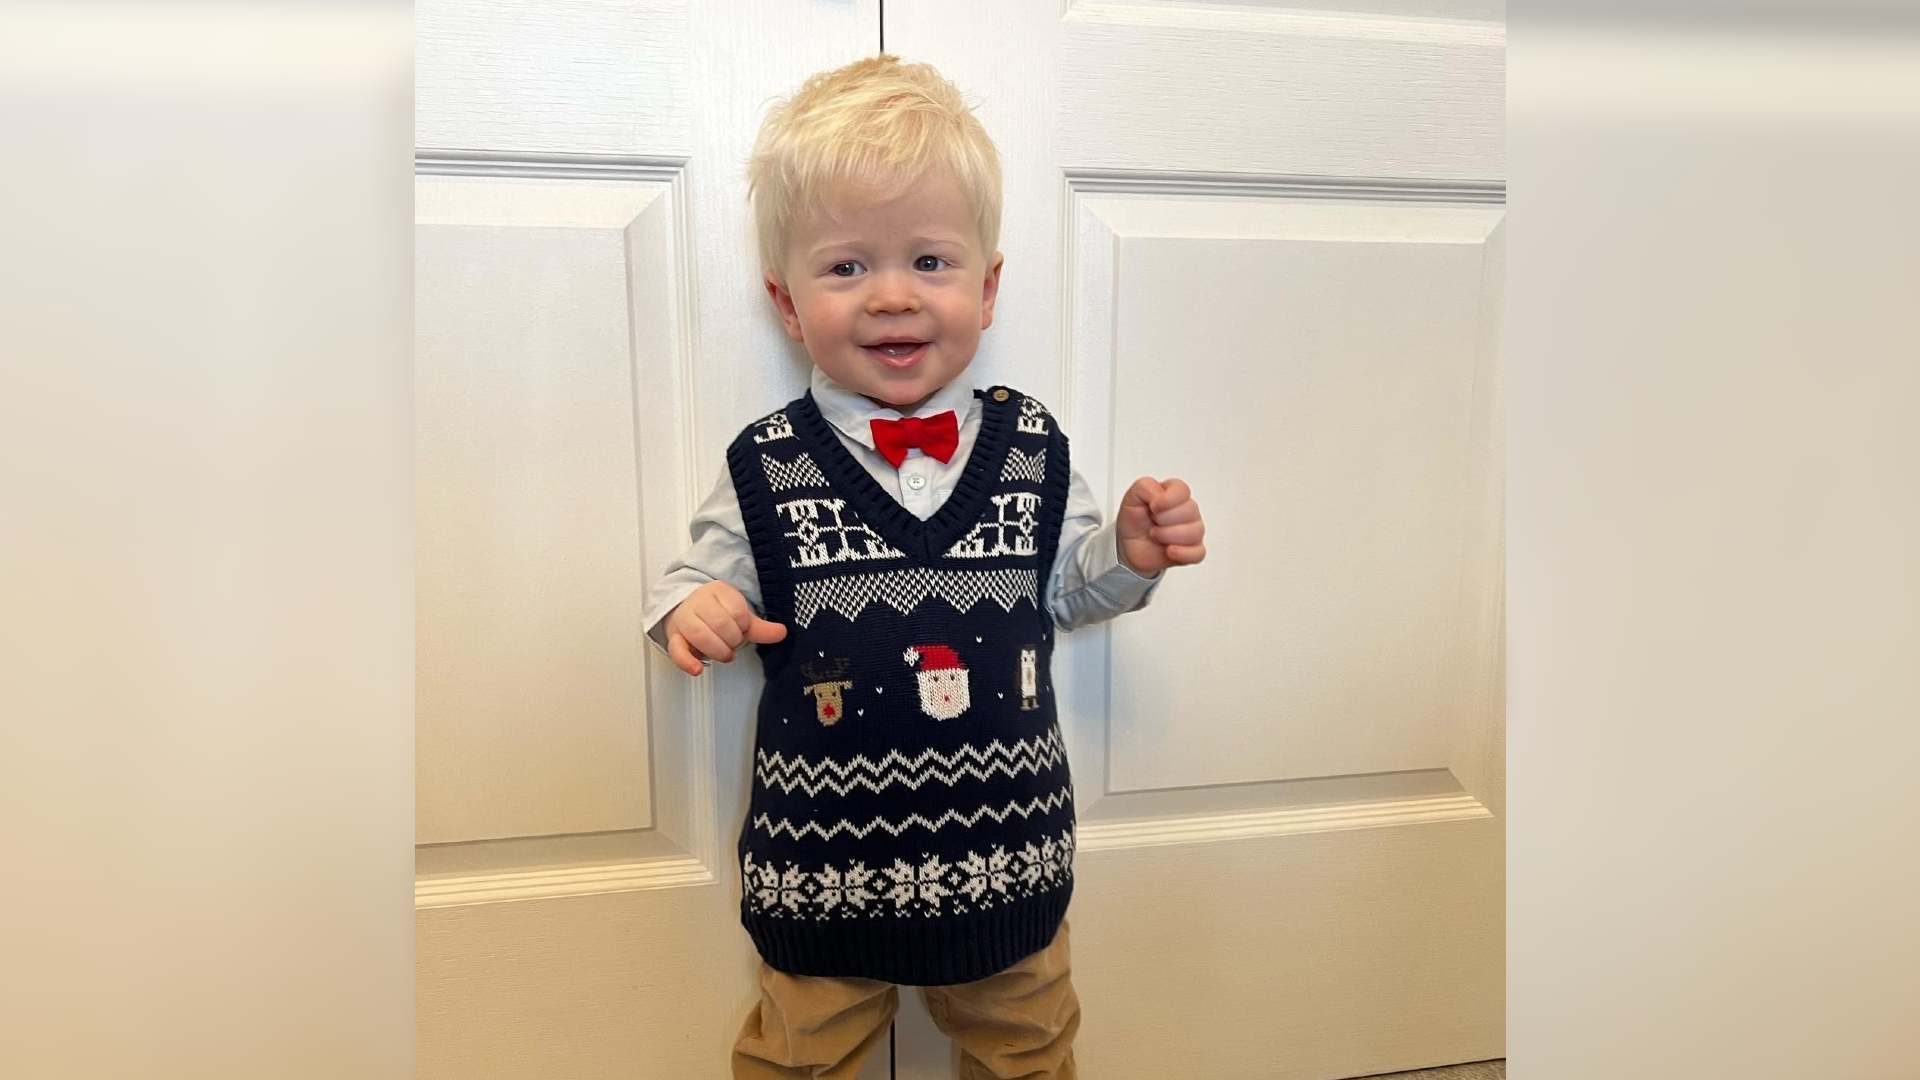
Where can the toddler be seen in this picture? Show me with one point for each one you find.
(902, 545)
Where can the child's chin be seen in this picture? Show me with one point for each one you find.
(906, 392)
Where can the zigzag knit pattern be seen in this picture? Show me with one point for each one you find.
(800, 472)
(905, 590)
(824, 775)
(1033, 806)
(911, 813)
(1021, 466)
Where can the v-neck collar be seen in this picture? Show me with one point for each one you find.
(851, 414)
(922, 540)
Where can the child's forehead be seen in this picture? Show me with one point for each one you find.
(928, 203)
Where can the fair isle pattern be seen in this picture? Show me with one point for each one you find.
(1039, 804)
(1024, 466)
(1009, 532)
(888, 846)
(1033, 416)
(800, 472)
(1035, 756)
(974, 881)
(905, 590)
(773, 428)
(827, 532)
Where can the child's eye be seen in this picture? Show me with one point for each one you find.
(928, 262)
(844, 269)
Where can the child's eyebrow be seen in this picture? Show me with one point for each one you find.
(857, 245)
(829, 248)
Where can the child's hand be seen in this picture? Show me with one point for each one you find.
(1159, 526)
(711, 623)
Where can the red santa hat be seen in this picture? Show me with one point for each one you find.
(934, 658)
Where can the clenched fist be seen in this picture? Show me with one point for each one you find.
(1159, 525)
(711, 623)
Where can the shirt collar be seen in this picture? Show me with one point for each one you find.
(851, 412)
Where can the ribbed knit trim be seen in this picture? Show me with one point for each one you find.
(911, 951)
(756, 506)
(1054, 503)
(926, 540)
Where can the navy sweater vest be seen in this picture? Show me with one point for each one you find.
(911, 817)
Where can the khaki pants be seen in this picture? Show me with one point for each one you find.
(1016, 1023)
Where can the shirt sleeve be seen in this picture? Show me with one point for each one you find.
(719, 552)
(1089, 583)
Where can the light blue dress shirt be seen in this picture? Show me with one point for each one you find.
(1089, 583)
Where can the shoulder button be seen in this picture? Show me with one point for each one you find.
(1000, 394)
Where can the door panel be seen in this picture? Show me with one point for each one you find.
(591, 331)
(1252, 246)
(1259, 248)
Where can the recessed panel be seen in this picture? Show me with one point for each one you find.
(542, 76)
(1201, 10)
(1309, 369)
(532, 712)
(1251, 89)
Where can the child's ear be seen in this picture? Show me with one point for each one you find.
(990, 290)
(783, 302)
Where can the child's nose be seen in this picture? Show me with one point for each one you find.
(891, 294)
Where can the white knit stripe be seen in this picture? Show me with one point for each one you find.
(800, 472)
(904, 590)
(1024, 466)
(842, 777)
(1037, 805)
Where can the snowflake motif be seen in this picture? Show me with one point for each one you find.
(764, 881)
(1031, 865)
(982, 874)
(850, 888)
(925, 882)
(973, 881)
(1000, 870)
(793, 891)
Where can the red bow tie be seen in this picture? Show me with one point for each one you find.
(938, 435)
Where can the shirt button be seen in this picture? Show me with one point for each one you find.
(916, 481)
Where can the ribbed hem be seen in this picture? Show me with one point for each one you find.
(911, 952)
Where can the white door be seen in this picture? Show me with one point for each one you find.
(1259, 248)
(1227, 225)
(591, 332)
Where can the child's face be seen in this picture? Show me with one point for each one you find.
(890, 295)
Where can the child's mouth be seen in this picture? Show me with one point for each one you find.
(898, 354)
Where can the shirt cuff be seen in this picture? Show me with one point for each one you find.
(1115, 579)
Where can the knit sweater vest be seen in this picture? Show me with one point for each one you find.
(911, 816)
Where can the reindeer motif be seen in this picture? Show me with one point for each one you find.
(826, 686)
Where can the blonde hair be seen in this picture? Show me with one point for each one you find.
(876, 123)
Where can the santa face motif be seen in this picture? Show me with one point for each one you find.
(943, 680)
(943, 694)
